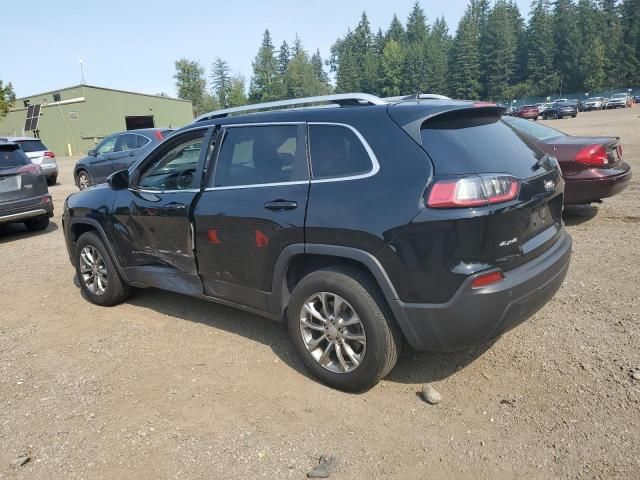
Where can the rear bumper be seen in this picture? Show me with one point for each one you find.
(581, 191)
(49, 169)
(474, 316)
(21, 210)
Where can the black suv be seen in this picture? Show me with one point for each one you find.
(361, 225)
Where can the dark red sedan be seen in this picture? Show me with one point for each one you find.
(592, 167)
(528, 111)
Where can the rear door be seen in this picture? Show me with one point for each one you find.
(254, 206)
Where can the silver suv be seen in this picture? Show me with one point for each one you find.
(39, 154)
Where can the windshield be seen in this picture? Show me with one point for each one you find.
(533, 129)
(618, 95)
(594, 99)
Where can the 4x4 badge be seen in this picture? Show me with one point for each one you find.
(506, 243)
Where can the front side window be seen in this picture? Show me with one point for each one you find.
(173, 169)
(259, 155)
(336, 152)
(107, 145)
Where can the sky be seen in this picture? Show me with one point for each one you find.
(132, 45)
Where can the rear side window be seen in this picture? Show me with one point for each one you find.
(259, 155)
(462, 143)
(336, 151)
(31, 145)
(11, 157)
(126, 142)
(141, 141)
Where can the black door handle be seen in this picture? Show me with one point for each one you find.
(279, 205)
(175, 207)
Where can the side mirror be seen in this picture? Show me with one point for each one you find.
(92, 153)
(119, 180)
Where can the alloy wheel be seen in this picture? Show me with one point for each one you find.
(333, 332)
(83, 181)
(93, 270)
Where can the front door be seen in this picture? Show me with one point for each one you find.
(151, 221)
(101, 163)
(253, 208)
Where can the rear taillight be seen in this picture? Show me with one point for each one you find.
(159, 135)
(487, 279)
(49, 154)
(472, 191)
(31, 168)
(592, 155)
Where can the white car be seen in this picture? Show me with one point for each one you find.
(39, 154)
(621, 100)
(594, 103)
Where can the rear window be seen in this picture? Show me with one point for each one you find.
(533, 129)
(11, 157)
(31, 145)
(461, 143)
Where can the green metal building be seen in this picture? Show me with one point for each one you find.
(71, 121)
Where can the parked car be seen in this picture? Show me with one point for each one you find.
(592, 167)
(356, 225)
(116, 152)
(24, 196)
(636, 99)
(39, 154)
(560, 110)
(619, 100)
(528, 111)
(594, 103)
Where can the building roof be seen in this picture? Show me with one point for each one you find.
(98, 88)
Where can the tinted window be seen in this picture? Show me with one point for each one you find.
(126, 142)
(259, 155)
(107, 145)
(141, 141)
(31, 145)
(336, 151)
(173, 169)
(534, 129)
(11, 157)
(462, 143)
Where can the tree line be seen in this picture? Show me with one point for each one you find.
(564, 46)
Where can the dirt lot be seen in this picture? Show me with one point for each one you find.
(171, 387)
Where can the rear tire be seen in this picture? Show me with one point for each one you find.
(37, 224)
(98, 276)
(52, 180)
(361, 312)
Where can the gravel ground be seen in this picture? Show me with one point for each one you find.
(167, 386)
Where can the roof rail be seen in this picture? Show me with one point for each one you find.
(416, 96)
(341, 99)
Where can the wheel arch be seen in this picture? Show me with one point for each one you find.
(296, 261)
(80, 226)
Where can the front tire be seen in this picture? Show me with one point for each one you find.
(98, 276)
(341, 328)
(84, 180)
